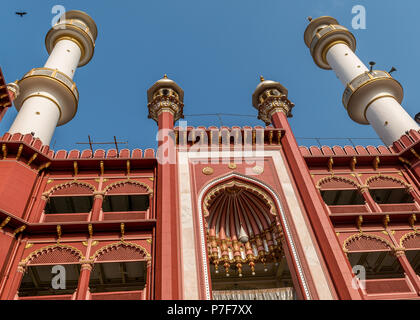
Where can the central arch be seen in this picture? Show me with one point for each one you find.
(236, 206)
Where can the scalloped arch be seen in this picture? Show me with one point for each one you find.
(386, 177)
(127, 181)
(69, 185)
(369, 237)
(328, 179)
(408, 236)
(234, 182)
(116, 245)
(49, 249)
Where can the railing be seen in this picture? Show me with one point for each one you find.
(125, 295)
(380, 288)
(52, 297)
(348, 209)
(287, 293)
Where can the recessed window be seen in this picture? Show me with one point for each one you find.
(378, 265)
(389, 196)
(121, 203)
(76, 204)
(118, 276)
(37, 281)
(342, 197)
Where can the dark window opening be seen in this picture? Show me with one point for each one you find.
(378, 265)
(342, 197)
(118, 276)
(270, 281)
(38, 281)
(76, 204)
(413, 257)
(390, 196)
(125, 203)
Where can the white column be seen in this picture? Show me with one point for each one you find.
(39, 115)
(345, 63)
(64, 57)
(389, 119)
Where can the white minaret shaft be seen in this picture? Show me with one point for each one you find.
(48, 96)
(370, 97)
(65, 57)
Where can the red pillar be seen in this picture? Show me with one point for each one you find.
(13, 290)
(168, 269)
(408, 269)
(339, 267)
(97, 206)
(83, 285)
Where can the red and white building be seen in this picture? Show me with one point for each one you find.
(214, 213)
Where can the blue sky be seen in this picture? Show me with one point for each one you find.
(215, 50)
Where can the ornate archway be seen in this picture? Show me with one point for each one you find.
(246, 228)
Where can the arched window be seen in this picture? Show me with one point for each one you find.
(339, 192)
(119, 272)
(70, 197)
(389, 190)
(46, 263)
(126, 196)
(245, 243)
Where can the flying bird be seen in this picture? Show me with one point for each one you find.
(21, 13)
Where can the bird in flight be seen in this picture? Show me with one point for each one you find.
(21, 13)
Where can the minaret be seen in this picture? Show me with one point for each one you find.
(48, 96)
(165, 104)
(370, 97)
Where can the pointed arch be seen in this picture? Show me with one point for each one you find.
(54, 254)
(410, 240)
(336, 182)
(386, 181)
(366, 242)
(121, 250)
(281, 216)
(71, 187)
(128, 186)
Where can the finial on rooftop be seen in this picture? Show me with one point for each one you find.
(309, 18)
(165, 76)
(262, 78)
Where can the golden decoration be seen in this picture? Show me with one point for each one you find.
(117, 244)
(5, 221)
(20, 229)
(4, 149)
(151, 179)
(38, 252)
(86, 243)
(29, 245)
(138, 183)
(68, 184)
(376, 163)
(208, 170)
(49, 181)
(353, 163)
(32, 158)
(19, 151)
(75, 168)
(258, 169)
(234, 183)
(149, 240)
(102, 167)
(368, 236)
(415, 153)
(330, 164)
(232, 165)
(128, 167)
(404, 160)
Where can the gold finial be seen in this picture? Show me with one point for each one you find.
(309, 18)
(262, 78)
(165, 76)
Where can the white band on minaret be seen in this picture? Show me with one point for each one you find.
(48, 96)
(370, 97)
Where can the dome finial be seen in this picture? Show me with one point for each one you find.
(165, 76)
(262, 78)
(309, 18)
